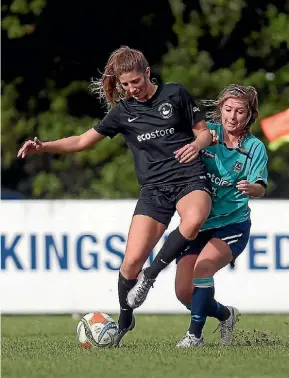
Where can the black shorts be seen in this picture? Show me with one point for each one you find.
(159, 201)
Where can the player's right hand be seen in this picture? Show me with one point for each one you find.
(29, 147)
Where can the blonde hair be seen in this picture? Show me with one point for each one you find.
(248, 94)
(122, 60)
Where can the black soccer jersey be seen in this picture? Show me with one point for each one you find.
(153, 130)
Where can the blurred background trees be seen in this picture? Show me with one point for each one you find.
(206, 45)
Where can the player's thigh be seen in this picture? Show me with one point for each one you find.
(236, 236)
(152, 215)
(144, 234)
(194, 208)
(184, 278)
(215, 255)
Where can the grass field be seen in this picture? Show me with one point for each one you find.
(45, 346)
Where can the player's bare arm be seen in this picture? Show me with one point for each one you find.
(71, 144)
(191, 151)
(203, 136)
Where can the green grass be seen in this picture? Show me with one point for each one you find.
(45, 346)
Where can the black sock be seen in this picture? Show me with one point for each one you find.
(174, 244)
(203, 294)
(218, 311)
(124, 286)
(215, 310)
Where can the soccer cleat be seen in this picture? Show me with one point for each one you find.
(227, 327)
(190, 341)
(122, 332)
(137, 295)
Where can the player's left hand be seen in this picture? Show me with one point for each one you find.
(215, 137)
(244, 187)
(187, 153)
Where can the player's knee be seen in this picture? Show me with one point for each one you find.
(204, 268)
(190, 227)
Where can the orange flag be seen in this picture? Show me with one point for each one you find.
(276, 126)
(276, 129)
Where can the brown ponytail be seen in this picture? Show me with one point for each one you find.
(122, 60)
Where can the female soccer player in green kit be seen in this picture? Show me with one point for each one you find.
(237, 168)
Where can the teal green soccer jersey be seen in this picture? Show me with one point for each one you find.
(226, 167)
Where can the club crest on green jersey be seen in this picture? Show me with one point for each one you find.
(237, 167)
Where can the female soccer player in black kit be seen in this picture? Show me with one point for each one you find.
(156, 121)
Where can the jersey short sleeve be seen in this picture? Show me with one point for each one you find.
(110, 125)
(258, 168)
(192, 111)
(215, 126)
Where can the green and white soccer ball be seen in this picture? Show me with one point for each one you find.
(96, 329)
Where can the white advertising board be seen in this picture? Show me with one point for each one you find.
(64, 257)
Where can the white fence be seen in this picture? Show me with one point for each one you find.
(64, 256)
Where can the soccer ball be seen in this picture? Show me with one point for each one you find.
(96, 329)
